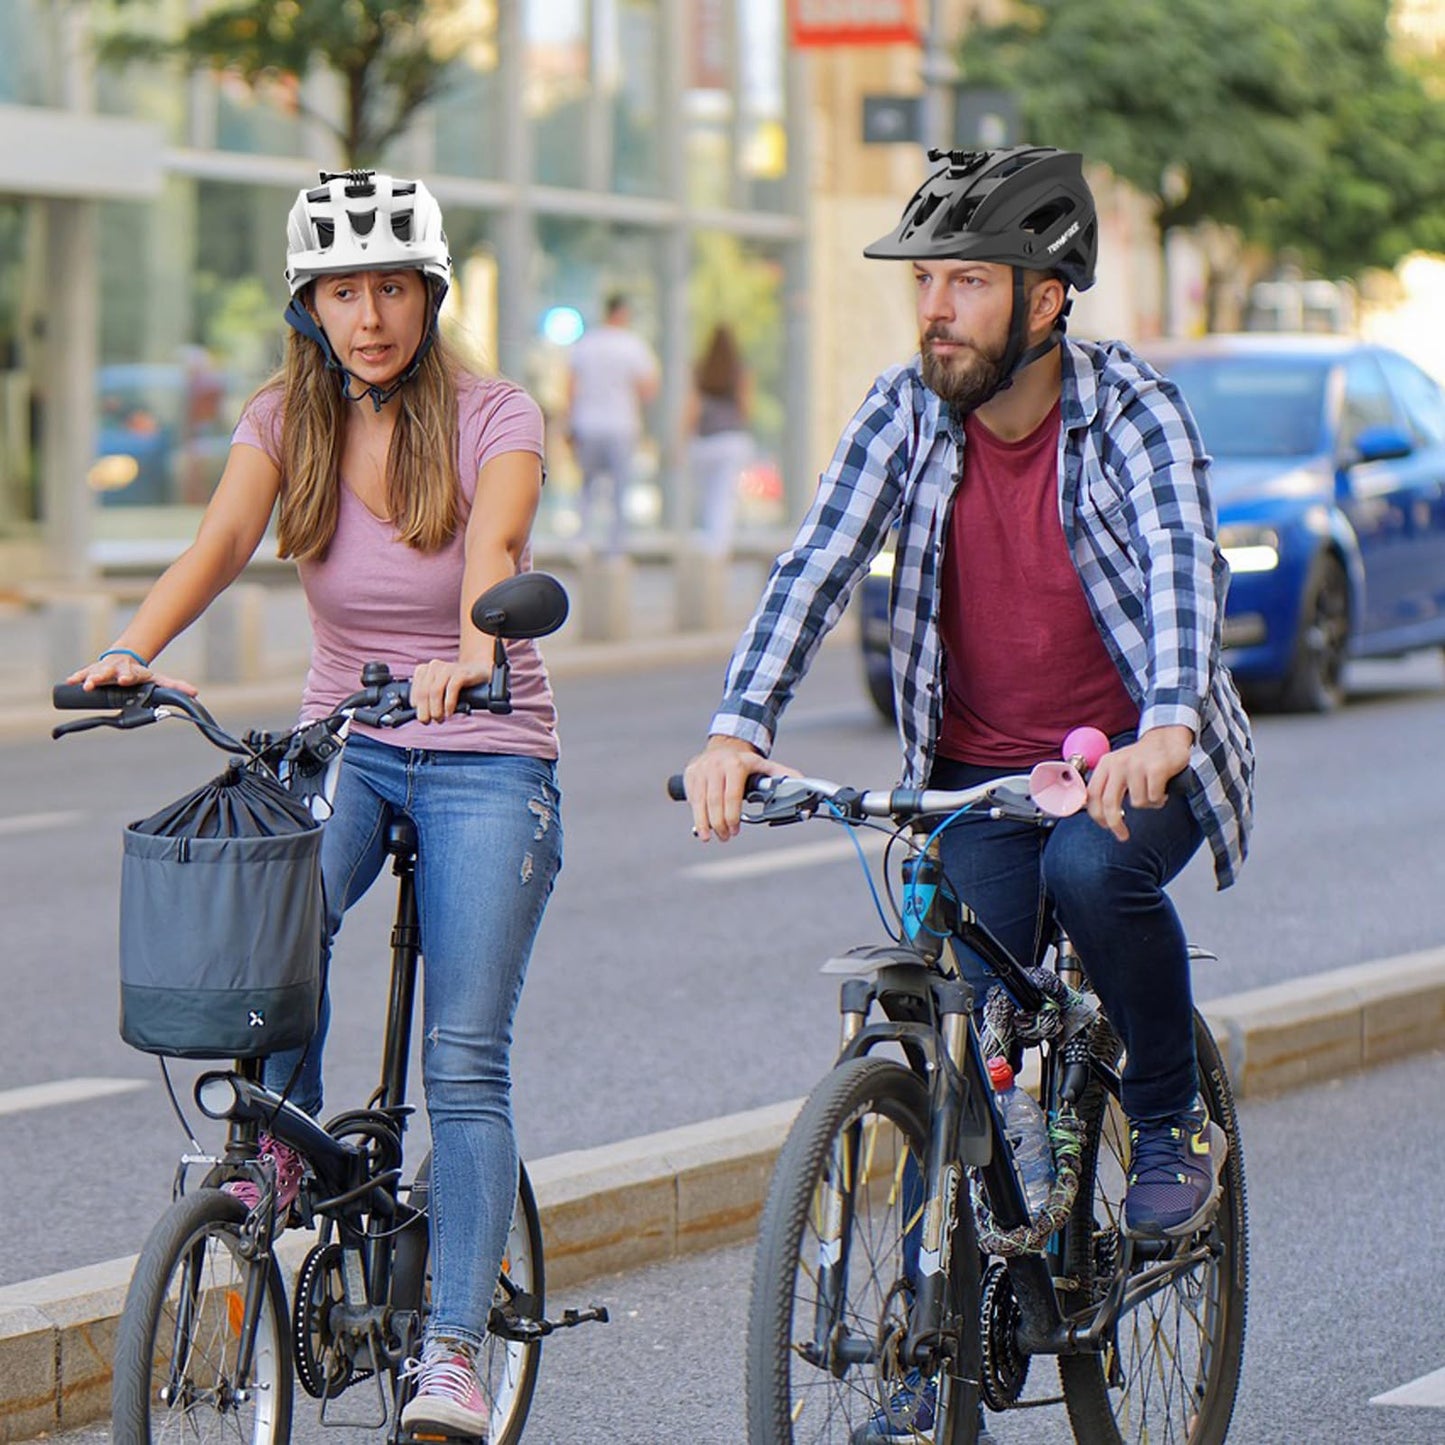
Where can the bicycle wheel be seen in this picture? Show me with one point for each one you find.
(507, 1367)
(836, 1264)
(177, 1345)
(1170, 1372)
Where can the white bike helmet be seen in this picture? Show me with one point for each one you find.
(364, 221)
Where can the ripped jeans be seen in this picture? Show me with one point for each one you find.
(489, 846)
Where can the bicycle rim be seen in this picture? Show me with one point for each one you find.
(1170, 1375)
(835, 1267)
(179, 1339)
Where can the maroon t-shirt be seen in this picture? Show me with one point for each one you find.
(1024, 661)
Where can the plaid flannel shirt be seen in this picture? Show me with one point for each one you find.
(1140, 525)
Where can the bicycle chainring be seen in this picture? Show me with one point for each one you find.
(1005, 1366)
(323, 1365)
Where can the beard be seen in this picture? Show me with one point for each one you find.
(966, 379)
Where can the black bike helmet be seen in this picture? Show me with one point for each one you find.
(1027, 206)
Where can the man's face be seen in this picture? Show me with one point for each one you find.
(964, 309)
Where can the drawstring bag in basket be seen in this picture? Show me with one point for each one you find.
(221, 920)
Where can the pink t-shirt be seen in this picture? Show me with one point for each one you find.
(372, 598)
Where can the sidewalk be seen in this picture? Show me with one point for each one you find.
(701, 1186)
(662, 616)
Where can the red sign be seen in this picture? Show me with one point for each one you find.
(852, 22)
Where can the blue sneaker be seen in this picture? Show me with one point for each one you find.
(1176, 1172)
(908, 1417)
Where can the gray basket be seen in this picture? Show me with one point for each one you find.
(220, 943)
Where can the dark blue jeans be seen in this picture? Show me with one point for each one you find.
(1109, 896)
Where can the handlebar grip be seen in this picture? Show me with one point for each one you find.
(675, 789)
(74, 697)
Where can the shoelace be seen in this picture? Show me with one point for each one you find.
(1156, 1150)
(447, 1374)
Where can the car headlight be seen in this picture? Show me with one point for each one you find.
(1249, 547)
(882, 564)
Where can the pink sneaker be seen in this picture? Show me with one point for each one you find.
(289, 1168)
(448, 1394)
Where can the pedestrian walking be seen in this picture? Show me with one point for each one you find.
(721, 447)
(612, 375)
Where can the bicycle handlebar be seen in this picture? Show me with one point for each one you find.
(788, 800)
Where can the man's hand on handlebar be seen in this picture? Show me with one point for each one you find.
(436, 686)
(121, 670)
(1141, 771)
(716, 780)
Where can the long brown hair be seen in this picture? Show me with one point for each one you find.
(720, 372)
(422, 485)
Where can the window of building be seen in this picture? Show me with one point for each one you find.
(28, 52)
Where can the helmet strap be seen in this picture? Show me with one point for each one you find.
(298, 318)
(1016, 356)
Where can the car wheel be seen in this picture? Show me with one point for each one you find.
(880, 689)
(1315, 681)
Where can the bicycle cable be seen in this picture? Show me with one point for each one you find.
(176, 1105)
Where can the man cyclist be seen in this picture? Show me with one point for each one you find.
(1056, 565)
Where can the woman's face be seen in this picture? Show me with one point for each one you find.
(374, 320)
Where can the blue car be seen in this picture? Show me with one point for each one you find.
(1329, 481)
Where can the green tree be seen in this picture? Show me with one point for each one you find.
(1295, 123)
(391, 56)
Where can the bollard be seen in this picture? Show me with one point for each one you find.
(233, 631)
(78, 628)
(701, 590)
(606, 599)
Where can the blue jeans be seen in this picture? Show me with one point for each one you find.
(489, 846)
(1109, 896)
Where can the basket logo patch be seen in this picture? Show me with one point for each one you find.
(257, 1018)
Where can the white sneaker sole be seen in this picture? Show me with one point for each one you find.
(430, 1413)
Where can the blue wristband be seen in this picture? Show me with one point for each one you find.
(122, 652)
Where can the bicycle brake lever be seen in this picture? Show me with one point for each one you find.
(83, 724)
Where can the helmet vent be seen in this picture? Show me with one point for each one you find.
(927, 205)
(960, 215)
(1047, 217)
(325, 235)
(362, 221)
(401, 225)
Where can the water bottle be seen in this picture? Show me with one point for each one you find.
(1027, 1128)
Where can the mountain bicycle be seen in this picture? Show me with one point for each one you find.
(898, 1267)
(206, 1346)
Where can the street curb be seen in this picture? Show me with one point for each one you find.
(661, 1196)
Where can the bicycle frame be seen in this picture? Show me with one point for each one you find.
(929, 1013)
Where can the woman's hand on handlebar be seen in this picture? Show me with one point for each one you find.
(436, 686)
(1140, 771)
(122, 670)
(716, 780)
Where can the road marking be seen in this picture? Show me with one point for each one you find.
(780, 860)
(1428, 1392)
(64, 1091)
(34, 822)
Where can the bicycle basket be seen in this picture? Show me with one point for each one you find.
(221, 922)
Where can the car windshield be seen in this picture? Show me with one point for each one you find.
(1255, 406)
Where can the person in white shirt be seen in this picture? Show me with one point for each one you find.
(613, 374)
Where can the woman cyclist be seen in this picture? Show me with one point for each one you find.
(406, 485)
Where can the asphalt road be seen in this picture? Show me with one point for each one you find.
(1345, 1301)
(666, 987)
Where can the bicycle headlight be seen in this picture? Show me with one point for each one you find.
(216, 1096)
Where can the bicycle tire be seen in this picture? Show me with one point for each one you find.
(188, 1291)
(791, 1400)
(507, 1368)
(1175, 1369)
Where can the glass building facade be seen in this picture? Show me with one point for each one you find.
(578, 147)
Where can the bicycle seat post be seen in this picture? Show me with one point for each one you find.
(401, 844)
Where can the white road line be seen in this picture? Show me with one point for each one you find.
(64, 1091)
(1428, 1392)
(35, 822)
(779, 860)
